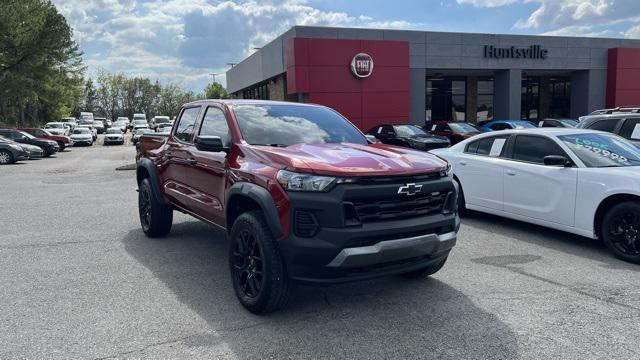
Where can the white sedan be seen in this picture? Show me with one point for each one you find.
(581, 181)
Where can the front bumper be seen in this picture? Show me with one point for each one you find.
(340, 250)
(114, 141)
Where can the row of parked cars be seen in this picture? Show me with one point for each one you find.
(622, 121)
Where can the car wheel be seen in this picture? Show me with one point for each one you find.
(156, 218)
(47, 153)
(6, 157)
(257, 269)
(426, 271)
(621, 231)
(61, 145)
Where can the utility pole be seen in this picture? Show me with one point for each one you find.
(213, 75)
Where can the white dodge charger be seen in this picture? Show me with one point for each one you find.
(581, 181)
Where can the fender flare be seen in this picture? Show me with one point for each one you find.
(261, 196)
(149, 166)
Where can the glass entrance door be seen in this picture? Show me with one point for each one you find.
(530, 101)
(446, 98)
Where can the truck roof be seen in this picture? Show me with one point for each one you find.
(231, 102)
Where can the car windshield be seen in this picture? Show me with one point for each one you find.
(114, 131)
(284, 125)
(81, 130)
(602, 150)
(140, 122)
(45, 132)
(26, 134)
(408, 131)
(54, 126)
(5, 140)
(97, 122)
(143, 131)
(463, 127)
(162, 120)
(569, 122)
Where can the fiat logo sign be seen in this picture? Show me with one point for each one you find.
(362, 65)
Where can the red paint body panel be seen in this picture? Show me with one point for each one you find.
(320, 69)
(623, 77)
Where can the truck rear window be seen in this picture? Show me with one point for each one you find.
(284, 125)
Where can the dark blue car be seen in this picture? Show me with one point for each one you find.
(495, 125)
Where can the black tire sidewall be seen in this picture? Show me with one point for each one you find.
(604, 229)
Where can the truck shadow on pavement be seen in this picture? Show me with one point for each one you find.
(542, 236)
(385, 318)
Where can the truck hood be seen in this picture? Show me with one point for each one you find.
(347, 159)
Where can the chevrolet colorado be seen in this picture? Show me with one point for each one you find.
(302, 194)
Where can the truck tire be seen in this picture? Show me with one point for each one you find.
(257, 269)
(461, 206)
(621, 231)
(426, 271)
(61, 145)
(156, 218)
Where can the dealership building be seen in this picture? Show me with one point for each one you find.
(394, 76)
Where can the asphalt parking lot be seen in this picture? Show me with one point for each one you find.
(79, 279)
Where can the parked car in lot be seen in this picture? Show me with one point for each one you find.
(82, 136)
(496, 125)
(140, 124)
(619, 109)
(163, 127)
(57, 128)
(120, 124)
(408, 136)
(140, 118)
(11, 151)
(308, 200)
(114, 136)
(137, 133)
(94, 132)
(564, 123)
(35, 152)
(455, 131)
(62, 140)
(50, 147)
(99, 126)
(159, 120)
(626, 125)
(580, 181)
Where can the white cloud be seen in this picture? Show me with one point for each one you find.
(486, 3)
(185, 40)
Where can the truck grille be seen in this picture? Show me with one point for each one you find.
(394, 207)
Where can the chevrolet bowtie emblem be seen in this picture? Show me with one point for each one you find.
(409, 189)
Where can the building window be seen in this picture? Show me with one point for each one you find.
(259, 92)
(560, 93)
(485, 99)
(530, 101)
(446, 98)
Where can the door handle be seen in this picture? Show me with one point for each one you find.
(463, 163)
(510, 172)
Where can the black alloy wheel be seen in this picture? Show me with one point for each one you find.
(248, 264)
(621, 231)
(156, 218)
(144, 207)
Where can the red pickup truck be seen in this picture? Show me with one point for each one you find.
(302, 194)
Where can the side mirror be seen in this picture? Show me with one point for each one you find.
(557, 160)
(209, 143)
(371, 139)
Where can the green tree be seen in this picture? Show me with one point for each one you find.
(40, 64)
(215, 91)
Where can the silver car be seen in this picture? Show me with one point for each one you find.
(82, 136)
(114, 136)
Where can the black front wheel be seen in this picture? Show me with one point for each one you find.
(156, 218)
(621, 231)
(257, 269)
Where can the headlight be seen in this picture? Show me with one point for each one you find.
(448, 172)
(304, 182)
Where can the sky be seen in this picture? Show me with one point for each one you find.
(183, 41)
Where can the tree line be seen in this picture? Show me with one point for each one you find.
(43, 78)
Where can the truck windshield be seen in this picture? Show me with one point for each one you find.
(284, 125)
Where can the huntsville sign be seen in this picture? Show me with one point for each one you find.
(532, 52)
